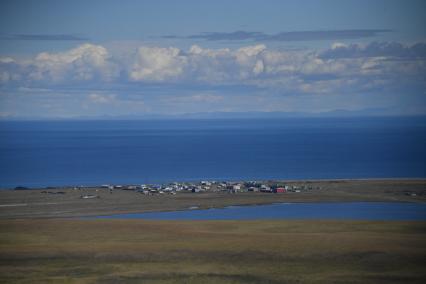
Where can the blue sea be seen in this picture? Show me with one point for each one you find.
(54, 153)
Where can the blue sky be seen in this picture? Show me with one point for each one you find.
(118, 58)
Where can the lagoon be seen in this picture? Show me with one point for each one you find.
(334, 210)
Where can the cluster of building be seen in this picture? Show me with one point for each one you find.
(211, 186)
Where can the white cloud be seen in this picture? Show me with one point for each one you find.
(6, 60)
(198, 64)
(258, 67)
(102, 98)
(337, 45)
(197, 98)
(251, 50)
(86, 62)
(293, 71)
(376, 49)
(157, 64)
(111, 104)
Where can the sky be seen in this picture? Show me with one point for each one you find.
(73, 59)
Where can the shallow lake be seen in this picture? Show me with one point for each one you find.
(335, 210)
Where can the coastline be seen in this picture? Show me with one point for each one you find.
(67, 202)
(290, 180)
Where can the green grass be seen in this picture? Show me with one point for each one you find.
(137, 251)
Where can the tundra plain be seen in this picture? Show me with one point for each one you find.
(46, 241)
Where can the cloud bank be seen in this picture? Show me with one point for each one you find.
(254, 76)
(302, 71)
(376, 49)
(47, 37)
(87, 62)
(287, 36)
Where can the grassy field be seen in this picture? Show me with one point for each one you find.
(138, 251)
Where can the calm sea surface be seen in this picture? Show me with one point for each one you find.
(95, 152)
(338, 210)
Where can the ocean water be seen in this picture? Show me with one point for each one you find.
(336, 210)
(51, 153)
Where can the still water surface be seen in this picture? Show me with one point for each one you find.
(335, 210)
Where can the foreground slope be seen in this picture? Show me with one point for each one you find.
(138, 251)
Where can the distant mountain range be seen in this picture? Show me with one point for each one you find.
(230, 115)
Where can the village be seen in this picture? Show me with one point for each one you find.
(104, 199)
(201, 187)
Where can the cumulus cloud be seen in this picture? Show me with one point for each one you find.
(10, 70)
(157, 64)
(294, 71)
(376, 49)
(86, 62)
(341, 68)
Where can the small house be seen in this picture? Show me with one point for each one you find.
(280, 190)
